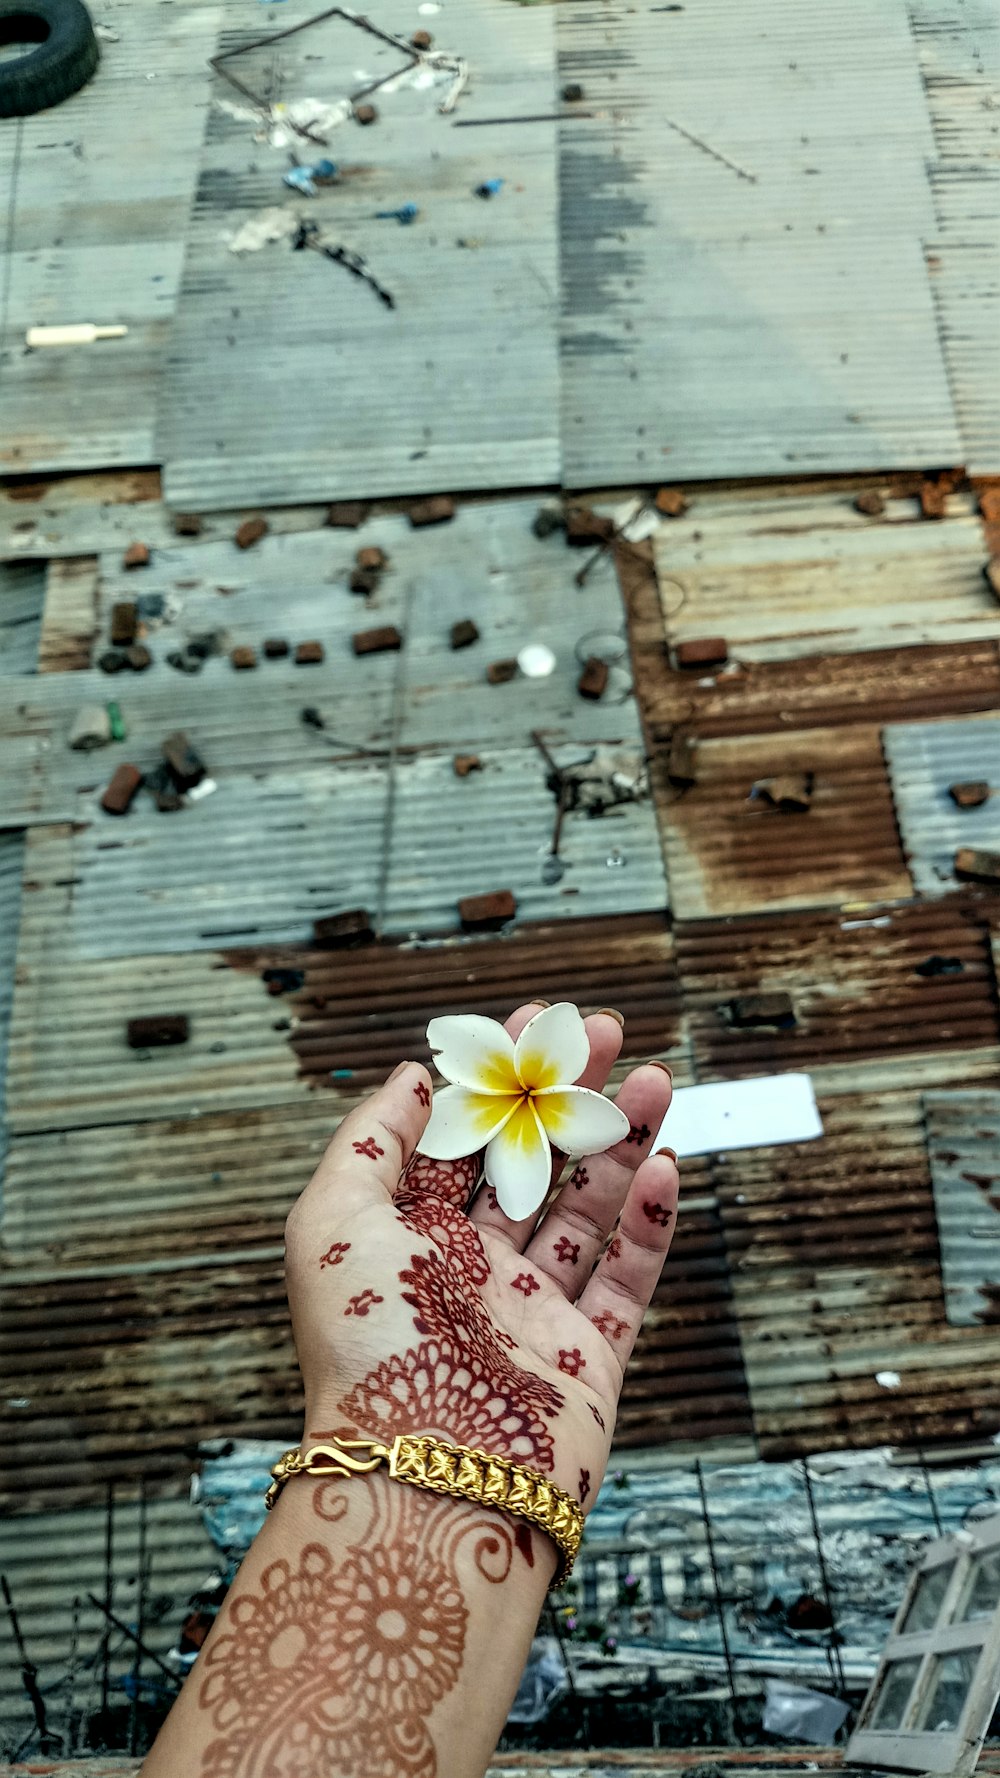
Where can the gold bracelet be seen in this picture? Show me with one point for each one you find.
(458, 1470)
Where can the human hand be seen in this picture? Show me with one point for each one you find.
(415, 1311)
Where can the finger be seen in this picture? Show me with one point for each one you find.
(363, 1161)
(570, 1237)
(605, 1035)
(621, 1288)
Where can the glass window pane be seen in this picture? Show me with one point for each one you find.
(926, 1603)
(893, 1694)
(947, 1689)
(982, 1593)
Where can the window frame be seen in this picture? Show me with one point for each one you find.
(928, 1750)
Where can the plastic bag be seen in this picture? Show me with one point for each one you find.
(798, 1714)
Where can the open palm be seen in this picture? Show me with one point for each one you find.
(418, 1310)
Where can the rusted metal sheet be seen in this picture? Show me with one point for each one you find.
(963, 1141)
(70, 623)
(836, 1281)
(729, 851)
(925, 760)
(782, 575)
(883, 996)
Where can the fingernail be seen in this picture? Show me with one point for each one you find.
(610, 1013)
(667, 1070)
(537, 1001)
(397, 1071)
(670, 1153)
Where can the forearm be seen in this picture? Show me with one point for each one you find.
(374, 1629)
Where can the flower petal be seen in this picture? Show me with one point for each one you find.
(474, 1052)
(552, 1048)
(519, 1164)
(461, 1123)
(579, 1121)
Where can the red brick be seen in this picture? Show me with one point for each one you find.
(275, 648)
(464, 763)
(377, 641)
(464, 633)
(124, 622)
(188, 524)
(251, 531)
(969, 796)
(593, 681)
(372, 557)
(243, 658)
(155, 1031)
(136, 556)
(309, 654)
(671, 502)
(487, 913)
(122, 791)
(870, 502)
(347, 515)
(707, 651)
(435, 511)
(982, 867)
(499, 672)
(338, 931)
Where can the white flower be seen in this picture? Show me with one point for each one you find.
(515, 1099)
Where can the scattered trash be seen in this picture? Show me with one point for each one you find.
(122, 790)
(500, 672)
(283, 981)
(707, 651)
(372, 559)
(593, 681)
(124, 619)
(157, 1031)
(792, 792)
(184, 763)
(307, 235)
(91, 728)
(161, 787)
(309, 654)
(969, 796)
(364, 581)
(340, 931)
(136, 556)
(548, 519)
(470, 241)
(309, 179)
(583, 526)
(243, 658)
(616, 859)
(421, 40)
(437, 510)
(311, 717)
(748, 1010)
(251, 531)
(553, 869)
(536, 660)
(406, 214)
(204, 787)
(347, 515)
(888, 1379)
(870, 502)
(572, 92)
(671, 502)
(376, 641)
(602, 778)
(798, 1714)
(275, 648)
(138, 657)
(464, 763)
(273, 224)
(487, 913)
(152, 608)
(106, 34)
(490, 188)
(935, 965)
(463, 634)
(112, 660)
(365, 114)
(82, 333)
(634, 521)
(980, 867)
(117, 721)
(934, 499)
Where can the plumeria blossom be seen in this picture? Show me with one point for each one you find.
(517, 1101)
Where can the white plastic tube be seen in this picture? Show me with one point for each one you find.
(79, 333)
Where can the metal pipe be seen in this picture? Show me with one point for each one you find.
(833, 1648)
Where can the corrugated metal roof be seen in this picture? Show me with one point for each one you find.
(786, 575)
(924, 758)
(836, 1282)
(728, 852)
(22, 594)
(963, 1142)
(11, 859)
(865, 1015)
(99, 207)
(744, 283)
(470, 320)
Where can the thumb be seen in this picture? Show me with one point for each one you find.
(364, 1159)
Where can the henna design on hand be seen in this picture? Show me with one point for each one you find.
(565, 1249)
(334, 1255)
(449, 1228)
(614, 1248)
(584, 1484)
(422, 1092)
(337, 1667)
(360, 1305)
(454, 1181)
(658, 1213)
(572, 1362)
(369, 1148)
(525, 1282)
(598, 1416)
(609, 1324)
(579, 1178)
(639, 1134)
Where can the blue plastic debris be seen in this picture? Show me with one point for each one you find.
(304, 178)
(489, 188)
(406, 214)
(341, 1073)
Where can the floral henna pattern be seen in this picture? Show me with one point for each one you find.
(614, 1249)
(370, 1148)
(334, 1255)
(572, 1362)
(360, 1305)
(567, 1250)
(639, 1133)
(525, 1283)
(584, 1484)
(598, 1416)
(609, 1324)
(579, 1178)
(338, 1668)
(422, 1092)
(449, 1228)
(454, 1181)
(658, 1213)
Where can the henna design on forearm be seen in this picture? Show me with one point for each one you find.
(337, 1665)
(584, 1484)
(598, 1416)
(334, 1255)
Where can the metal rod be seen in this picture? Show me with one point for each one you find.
(109, 1585)
(931, 1497)
(130, 1633)
(833, 1648)
(560, 1638)
(48, 1742)
(72, 1725)
(473, 123)
(719, 1607)
(140, 1626)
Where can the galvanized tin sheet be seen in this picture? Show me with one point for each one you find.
(22, 595)
(744, 286)
(786, 575)
(99, 200)
(963, 1142)
(729, 851)
(881, 997)
(924, 759)
(457, 384)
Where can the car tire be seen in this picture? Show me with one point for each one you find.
(65, 58)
